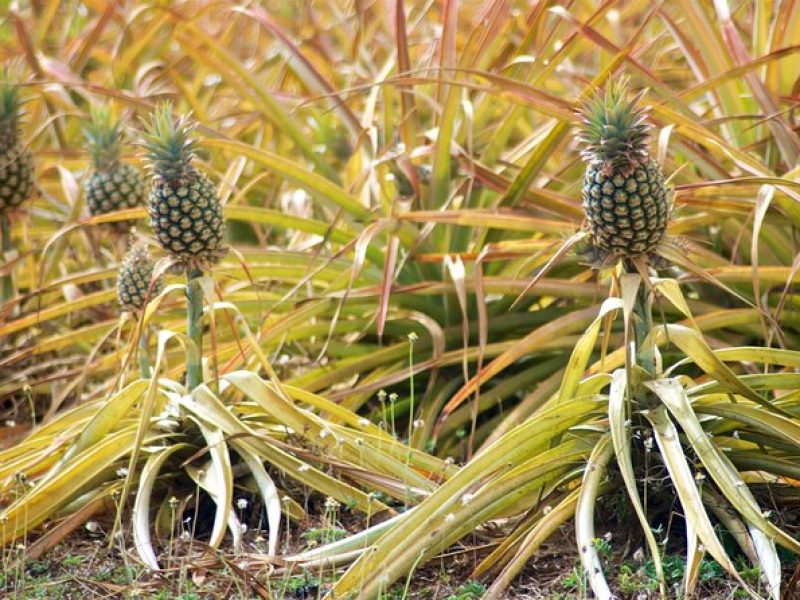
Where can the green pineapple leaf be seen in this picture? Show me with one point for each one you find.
(103, 137)
(169, 144)
(615, 132)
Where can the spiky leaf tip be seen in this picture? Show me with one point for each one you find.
(103, 137)
(614, 130)
(169, 143)
(10, 108)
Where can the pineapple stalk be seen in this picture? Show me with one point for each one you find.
(194, 328)
(7, 284)
(144, 359)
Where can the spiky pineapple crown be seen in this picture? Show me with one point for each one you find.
(615, 132)
(10, 105)
(103, 138)
(137, 258)
(169, 144)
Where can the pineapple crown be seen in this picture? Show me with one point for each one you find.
(103, 137)
(615, 132)
(170, 147)
(10, 109)
(137, 257)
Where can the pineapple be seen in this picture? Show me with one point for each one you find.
(135, 283)
(625, 198)
(112, 185)
(185, 212)
(16, 161)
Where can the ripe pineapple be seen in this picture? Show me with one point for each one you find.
(113, 185)
(16, 161)
(134, 279)
(185, 212)
(626, 201)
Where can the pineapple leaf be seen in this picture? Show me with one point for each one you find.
(615, 132)
(103, 137)
(169, 144)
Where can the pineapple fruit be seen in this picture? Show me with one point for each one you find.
(134, 279)
(184, 208)
(16, 161)
(112, 185)
(625, 198)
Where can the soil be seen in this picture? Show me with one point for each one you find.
(84, 565)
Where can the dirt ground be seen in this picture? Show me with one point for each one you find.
(84, 565)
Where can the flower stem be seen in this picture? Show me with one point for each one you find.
(194, 328)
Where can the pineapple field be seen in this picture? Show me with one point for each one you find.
(446, 299)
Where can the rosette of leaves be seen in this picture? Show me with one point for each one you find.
(202, 444)
(719, 435)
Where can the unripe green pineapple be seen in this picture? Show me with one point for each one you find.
(16, 161)
(185, 212)
(625, 198)
(113, 185)
(135, 283)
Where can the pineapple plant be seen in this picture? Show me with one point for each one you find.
(184, 208)
(625, 197)
(186, 217)
(16, 161)
(135, 283)
(113, 185)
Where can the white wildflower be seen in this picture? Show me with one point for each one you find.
(92, 526)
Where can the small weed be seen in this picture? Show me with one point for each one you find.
(472, 590)
(72, 560)
(575, 582)
(120, 575)
(710, 570)
(35, 568)
(632, 580)
(603, 548)
(323, 535)
(750, 574)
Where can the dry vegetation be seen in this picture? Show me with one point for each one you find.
(402, 379)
